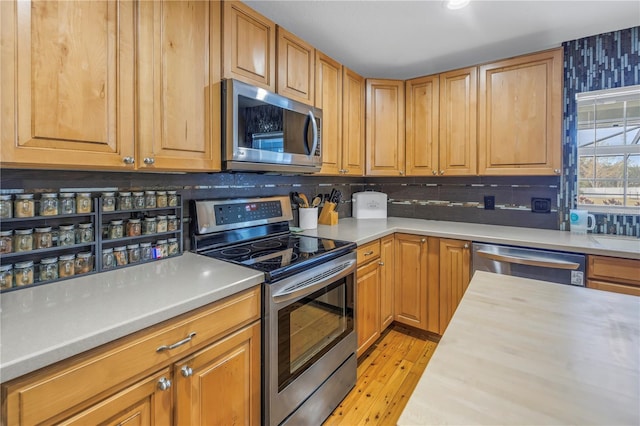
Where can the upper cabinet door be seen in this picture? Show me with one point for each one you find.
(329, 99)
(179, 83)
(458, 116)
(521, 115)
(249, 44)
(67, 86)
(422, 129)
(385, 126)
(296, 67)
(353, 112)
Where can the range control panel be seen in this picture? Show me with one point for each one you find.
(247, 212)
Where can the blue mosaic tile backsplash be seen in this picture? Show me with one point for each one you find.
(603, 61)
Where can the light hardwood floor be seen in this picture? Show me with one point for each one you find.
(387, 374)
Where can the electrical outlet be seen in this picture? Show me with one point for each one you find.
(540, 205)
(489, 202)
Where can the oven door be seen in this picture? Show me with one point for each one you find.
(309, 327)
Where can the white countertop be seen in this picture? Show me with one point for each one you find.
(48, 323)
(521, 351)
(364, 230)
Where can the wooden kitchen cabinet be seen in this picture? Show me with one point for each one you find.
(385, 128)
(353, 123)
(455, 274)
(458, 118)
(387, 280)
(119, 376)
(613, 274)
(422, 127)
(367, 305)
(249, 46)
(520, 115)
(65, 103)
(296, 67)
(179, 116)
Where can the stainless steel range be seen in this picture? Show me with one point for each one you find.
(308, 333)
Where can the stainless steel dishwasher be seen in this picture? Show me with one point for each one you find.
(543, 265)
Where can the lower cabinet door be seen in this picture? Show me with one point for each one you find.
(387, 271)
(455, 274)
(144, 403)
(220, 385)
(368, 305)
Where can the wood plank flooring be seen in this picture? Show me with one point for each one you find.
(387, 374)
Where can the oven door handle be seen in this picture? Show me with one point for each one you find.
(314, 283)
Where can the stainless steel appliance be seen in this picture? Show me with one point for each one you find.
(544, 265)
(264, 131)
(308, 339)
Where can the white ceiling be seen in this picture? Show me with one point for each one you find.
(404, 39)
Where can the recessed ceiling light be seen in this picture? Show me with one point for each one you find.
(457, 4)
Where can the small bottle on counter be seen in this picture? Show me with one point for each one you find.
(66, 265)
(43, 238)
(133, 251)
(150, 199)
(120, 254)
(134, 228)
(23, 240)
(161, 199)
(49, 269)
(161, 223)
(172, 223)
(173, 248)
(116, 229)
(125, 201)
(84, 233)
(146, 252)
(66, 235)
(6, 206)
(172, 198)
(149, 226)
(24, 206)
(108, 201)
(6, 242)
(83, 202)
(23, 272)
(84, 263)
(108, 259)
(6, 277)
(49, 204)
(67, 203)
(138, 200)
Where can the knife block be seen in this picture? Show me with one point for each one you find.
(328, 215)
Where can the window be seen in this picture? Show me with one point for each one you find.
(609, 150)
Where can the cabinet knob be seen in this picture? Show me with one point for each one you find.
(435, 172)
(128, 160)
(164, 384)
(441, 172)
(466, 245)
(149, 160)
(186, 371)
(401, 173)
(346, 170)
(423, 240)
(556, 171)
(381, 263)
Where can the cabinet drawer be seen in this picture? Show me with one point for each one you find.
(614, 269)
(616, 288)
(368, 252)
(95, 374)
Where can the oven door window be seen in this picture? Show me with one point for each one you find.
(311, 326)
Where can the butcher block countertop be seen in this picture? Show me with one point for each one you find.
(521, 351)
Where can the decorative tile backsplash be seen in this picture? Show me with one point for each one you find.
(603, 61)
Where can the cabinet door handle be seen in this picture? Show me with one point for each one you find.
(186, 371)
(466, 245)
(381, 263)
(149, 160)
(401, 173)
(175, 345)
(441, 172)
(434, 172)
(128, 160)
(369, 253)
(423, 240)
(556, 171)
(164, 384)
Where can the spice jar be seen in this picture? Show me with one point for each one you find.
(84, 234)
(161, 199)
(134, 228)
(150, 199)
(125, 201)
(84, 262)
(146, 251)
(172, 198)
(108, 201)
(23, 272)
(6, 277)
(49, 269)
(138, 200)
(116, 229)
(6, 242)
(161, 223)
(67, 203)
(43, 238)
(172, 223)
(24, 206)
(49, 204)
(149, 225)
(66, 235)
(162, 248)
(83, 202)
(6, 208)
(173, 248)
(108, 259)
(133, 251)
(66, 267)
(23, 240)
(120, 254)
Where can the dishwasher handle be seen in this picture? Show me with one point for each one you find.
(529, 260)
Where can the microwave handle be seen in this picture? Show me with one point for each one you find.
(311, 119)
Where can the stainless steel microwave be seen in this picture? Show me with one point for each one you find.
(263, 131)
